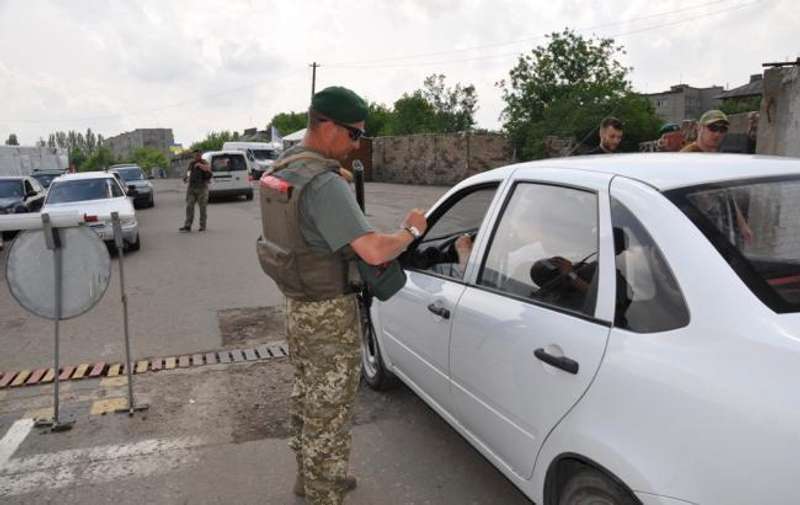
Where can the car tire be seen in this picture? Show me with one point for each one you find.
(152, 202)
(592, 487)
(373, 369)
(249, 195)
(136, 245)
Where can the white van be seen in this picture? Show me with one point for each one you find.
(261, 155)
(229, 174)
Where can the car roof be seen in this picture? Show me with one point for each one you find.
(125, 165)
(228, 151)
(13, 177)
(665, 171)
(85, 176)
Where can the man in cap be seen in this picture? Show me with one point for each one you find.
(313, 229)
(712, 128)
(610, 136)
(197, 175)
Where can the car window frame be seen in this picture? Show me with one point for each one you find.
(508, 195)
(441, 210)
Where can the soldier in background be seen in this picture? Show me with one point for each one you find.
(197, 175)
(711, 130)
(313, 229)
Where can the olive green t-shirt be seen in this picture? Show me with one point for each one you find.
(330, 217)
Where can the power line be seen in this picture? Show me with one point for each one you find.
(517, 53)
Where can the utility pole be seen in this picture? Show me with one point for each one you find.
(313, 77)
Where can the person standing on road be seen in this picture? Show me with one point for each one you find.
(610, 136)
(197, 175)
(313, 231)
(712, 128)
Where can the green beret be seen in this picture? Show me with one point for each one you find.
(340, 104)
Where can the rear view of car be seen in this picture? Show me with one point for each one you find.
(96, 195)
(230, 177)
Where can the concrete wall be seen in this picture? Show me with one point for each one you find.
(22, 160)
(124, 144)
(437, 159)
(684, 102)
(779, 123)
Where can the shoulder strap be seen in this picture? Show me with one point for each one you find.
(309, 155)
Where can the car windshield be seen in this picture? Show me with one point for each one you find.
(45, 179)
(76, 191)
(264, 154)
(755, 225)
(131, 174)
(11, 189)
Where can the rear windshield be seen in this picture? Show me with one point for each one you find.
(755, 226)
(228, 163)
(131, 174)
(264, 154)
(44, 179)
(11, 189)
(86, 189)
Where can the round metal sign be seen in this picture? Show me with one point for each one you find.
(86, 272)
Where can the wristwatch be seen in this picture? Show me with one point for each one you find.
(414, 231)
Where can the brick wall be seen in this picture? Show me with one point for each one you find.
(437, 159)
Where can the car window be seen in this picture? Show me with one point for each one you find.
(228, 163)
(755, 226)
(545, 247)
(436, 251)
(114, 188)
(11, 189)
(76, 191)
(131, 174)
(264, 154)
(648, 297)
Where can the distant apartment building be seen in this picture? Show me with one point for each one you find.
(124, 144)
(684, 102)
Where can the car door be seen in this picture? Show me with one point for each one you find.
(416, 321)
(531, 327)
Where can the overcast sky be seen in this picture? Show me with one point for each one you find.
(221, 64)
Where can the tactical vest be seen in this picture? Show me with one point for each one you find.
(299, 272)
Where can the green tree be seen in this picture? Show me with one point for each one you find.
(149, 158)
(412, 114)
(378, 120)
(735, 106)
(100, 159)
(454, 107)
(214, 140)
(77, 156)
(12, 140)
(288, 122)
(565, 88)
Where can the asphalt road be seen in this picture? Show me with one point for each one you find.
(177, 284)
(214, 434)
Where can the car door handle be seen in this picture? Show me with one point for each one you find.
(562, 362)
(439, 311)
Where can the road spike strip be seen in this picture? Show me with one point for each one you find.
(46, 375)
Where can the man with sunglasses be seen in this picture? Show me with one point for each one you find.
(711, 130)
(313, 230)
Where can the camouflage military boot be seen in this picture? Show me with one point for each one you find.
(350, 483)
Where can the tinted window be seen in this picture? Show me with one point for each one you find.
(264, 154)
(545, 247)
(437, 251)
(131, 174)
(115, 189)
(76, 191)
(11, 189)
(44, 179)
(755, 226)
(648, 296)
(228, 163)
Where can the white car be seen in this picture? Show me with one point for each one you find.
(230, 175)
(95, 195)
(626, 329)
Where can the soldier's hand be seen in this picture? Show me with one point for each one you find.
(416, 218)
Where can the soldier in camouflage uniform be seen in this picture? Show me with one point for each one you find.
(197, 175)
(312, 231)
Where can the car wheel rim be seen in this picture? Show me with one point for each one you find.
(369, 347)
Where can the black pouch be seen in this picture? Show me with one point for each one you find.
(382, 281)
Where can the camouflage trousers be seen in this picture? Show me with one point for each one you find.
(199, 195)
(325, 348)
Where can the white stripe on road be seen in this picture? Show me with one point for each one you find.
(13, 438)
(97, 465)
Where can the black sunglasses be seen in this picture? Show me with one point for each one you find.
(718, 127)
(355, 133)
